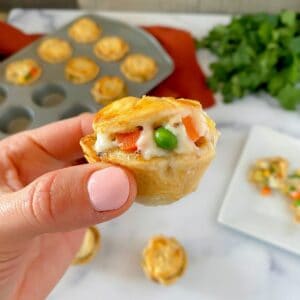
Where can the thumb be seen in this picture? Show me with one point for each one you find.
(66, 199)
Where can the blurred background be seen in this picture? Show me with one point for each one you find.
(208, 6)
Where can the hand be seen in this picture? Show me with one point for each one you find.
(45, 198)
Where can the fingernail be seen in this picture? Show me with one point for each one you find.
(108, 188)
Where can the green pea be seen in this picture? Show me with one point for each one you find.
(165, 139)
(297, 203)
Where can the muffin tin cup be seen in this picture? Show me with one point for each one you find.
(53, 98)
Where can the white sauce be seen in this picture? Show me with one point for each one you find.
(146, 144)
(185, 144)
(103, 142)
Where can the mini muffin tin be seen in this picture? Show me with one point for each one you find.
(52, 97)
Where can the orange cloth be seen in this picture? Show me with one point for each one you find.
(187, 80)
(12, 39)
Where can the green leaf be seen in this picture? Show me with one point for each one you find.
(295, 45)
(226, 91)
(284, 36)
(265, 62)
(264, 17)
(218, 32)
(265, 32)
(293, 72)
(213, 83)
(288, 18)
(199, 43)
(257, 52)
(276, 83)
(242, 56)
(236, 88)
(289, 97)
(221, 69)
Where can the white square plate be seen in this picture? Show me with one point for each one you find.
(244, 209)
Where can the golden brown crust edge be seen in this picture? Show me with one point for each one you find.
(129, 112)
(159, 180)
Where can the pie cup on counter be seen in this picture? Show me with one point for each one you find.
(164, 260)
(89, 247)
(23, 72)
(166, 143)
(84, 31)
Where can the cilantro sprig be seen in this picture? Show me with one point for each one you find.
(257, 52)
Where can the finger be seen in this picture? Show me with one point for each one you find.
(65, 200)
(61, 139)
(44, 149)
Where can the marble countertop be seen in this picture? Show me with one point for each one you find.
(223, 264)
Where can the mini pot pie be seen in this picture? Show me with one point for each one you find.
(81, 70)
(111, 48)
(164, 260)
(85, 30)
(54, 50)
(167, 143)
(89, 247)
(108, 88)
(269, 173)
(23, 72)
(139, 67)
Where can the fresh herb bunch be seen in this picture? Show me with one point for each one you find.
(257, 52)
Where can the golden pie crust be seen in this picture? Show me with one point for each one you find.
(108, 88)
(164, 260)
(23, 72)
(111, 48)
(139, 67)
(85, 30)
(54, 50)
(81, 69)
(89, 247)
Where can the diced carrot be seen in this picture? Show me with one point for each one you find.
(295, 195)
(190, 128)
(31, 73)
(201, 141)
(265, 191)
(127, 141)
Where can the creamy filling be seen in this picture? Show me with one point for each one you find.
(185, 144)
(146, 145)
(104, 142)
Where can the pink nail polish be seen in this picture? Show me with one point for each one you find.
(108, 188)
